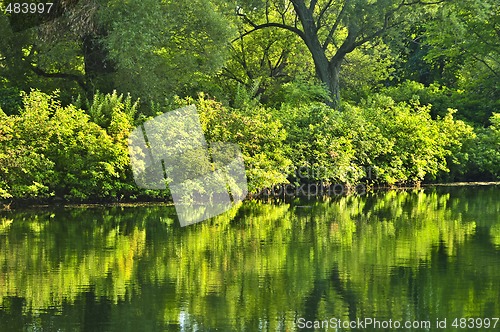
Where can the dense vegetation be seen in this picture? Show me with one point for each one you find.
(385, 93)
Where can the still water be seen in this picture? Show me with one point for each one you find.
(420, 255)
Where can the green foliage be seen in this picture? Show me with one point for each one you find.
(50, 150)
(270, 78)
(53, 150)
(175, 48)
(46, 58)
(112, 112)
(267, 62)
(418, 145)
(394, 142)
(457, 137)
(472, 22)
(318, 147)
(247, 97)
(26, 169)
(454, 51)
(10, 100)
(439, 97)
(333, 33)
(299, 92)
(151, 49)
(485, 151)
(365, 69)
(473, 107)
(84, 155)
(260, 137)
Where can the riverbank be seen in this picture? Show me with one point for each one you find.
(460, 184)
(16, 204)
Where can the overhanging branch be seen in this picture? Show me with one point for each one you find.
(78, 79)
(271, 24)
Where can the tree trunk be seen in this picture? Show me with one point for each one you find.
(334, 83)
(327, 71)
(329, 74)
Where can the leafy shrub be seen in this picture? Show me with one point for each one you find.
(420, 145)
(54, 150)
(113, 112)
(318, 145)
(484, 161)
(50, 150)
(396, 142)
(298, 92)
(260, 137)
(25, 170)
(439, 97)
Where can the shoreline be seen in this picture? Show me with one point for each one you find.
(32, 204)
(462, 184)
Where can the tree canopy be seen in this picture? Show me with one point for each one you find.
(331, 29)
(153, 49)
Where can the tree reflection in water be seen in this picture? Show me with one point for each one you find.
(400, 255)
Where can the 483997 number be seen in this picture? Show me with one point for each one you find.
(28, 8)
(475, 323)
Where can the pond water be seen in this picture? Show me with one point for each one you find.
(407, 256)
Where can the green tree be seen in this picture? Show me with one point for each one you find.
(264, 63)
(453, 51)
(152, 49)
(330, 29)
(469, 38)
(484, 151)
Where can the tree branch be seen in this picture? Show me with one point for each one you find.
(377, 33)
(280, 64)
(347, 46)
(77, 78)
(322, 13)
(243, 61)
(232, 76)
(265, 53)
(312, 5)
(485, 63)
(335, 26)
(271, 24)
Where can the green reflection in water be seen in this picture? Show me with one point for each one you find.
(403, 255)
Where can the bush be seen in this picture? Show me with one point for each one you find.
(260, 137)
(439, 97)
(320, 147)
(396, 142)
(113, 112)
(50, 150)
(421, 146)
(25, 169)
(484, 151)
